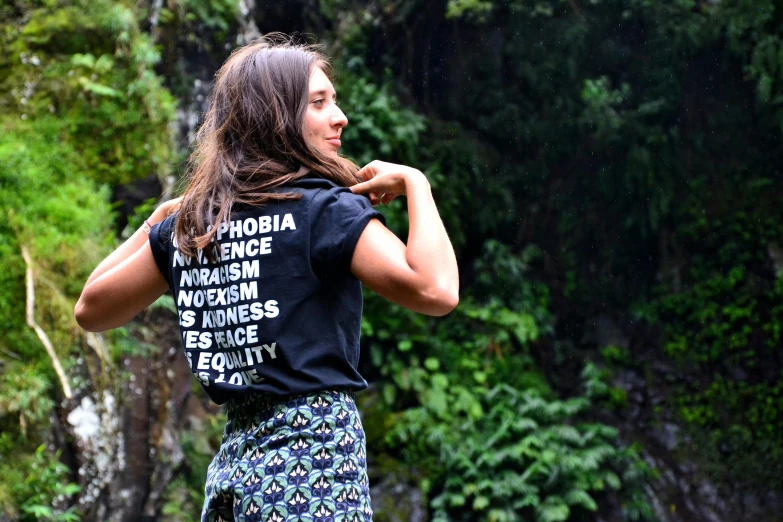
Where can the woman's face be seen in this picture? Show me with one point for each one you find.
(323, 120)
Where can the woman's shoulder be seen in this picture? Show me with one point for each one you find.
(321, 191)
(310, 183)
(316, 193)
(311, 180)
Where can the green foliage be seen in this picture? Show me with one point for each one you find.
(477, 9)
(184, 496)
(213, 15)
(601, 104)
(24, 394)
(39, 485)
(524, 459)
(520, 457)
(470, 409)
(125, 344)
(62, 218)
(380, 127)
(633, 143)
(201, 21)
(86, 64)
(752, 32)
(140, 213)
(598, 389)
(724, 329)
(616, 355)
(82, 107)
(645, 181)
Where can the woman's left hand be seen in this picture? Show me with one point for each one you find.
(165, 209)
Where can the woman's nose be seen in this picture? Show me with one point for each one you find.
(338, 117)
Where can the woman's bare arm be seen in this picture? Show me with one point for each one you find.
(421, 276)
(133, 243)
(124, 283)
(121, 292)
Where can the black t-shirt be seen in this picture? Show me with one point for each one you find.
(280, 311)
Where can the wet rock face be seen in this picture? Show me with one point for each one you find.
(394, 500)
(191, 110)
(248, 30)
(681, 493)
(608, 333)
(99, 442)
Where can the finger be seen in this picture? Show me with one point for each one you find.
(388, 198)
(368, 171)
(364, 187)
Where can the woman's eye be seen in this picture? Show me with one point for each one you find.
(318, 103)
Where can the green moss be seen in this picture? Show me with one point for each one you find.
(82, 108)
(724, 331)
(616, 355)
(89, 66)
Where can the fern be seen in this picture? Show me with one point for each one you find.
(525, 459)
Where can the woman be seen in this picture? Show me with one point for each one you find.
(265, 254)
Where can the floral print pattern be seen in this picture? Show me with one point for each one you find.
(296, 459)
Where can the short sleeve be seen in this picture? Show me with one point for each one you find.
(160, 243)
(338, 218)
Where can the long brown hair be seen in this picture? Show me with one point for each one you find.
(251, 139)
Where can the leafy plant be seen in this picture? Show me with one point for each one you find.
(43, 490)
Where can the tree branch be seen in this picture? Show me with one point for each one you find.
(9, 353)
(38, 330)
(95, 341)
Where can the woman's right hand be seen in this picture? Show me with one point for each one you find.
(422, 274)
(383, 181)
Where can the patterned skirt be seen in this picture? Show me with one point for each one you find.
(291, 459)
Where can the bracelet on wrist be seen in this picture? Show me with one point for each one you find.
(146, 227)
